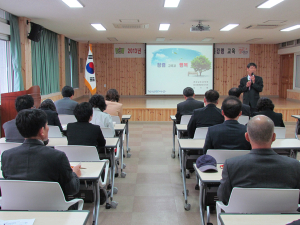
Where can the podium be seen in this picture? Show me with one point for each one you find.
(8, 109)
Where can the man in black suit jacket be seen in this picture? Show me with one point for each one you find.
(187, 107)
(245, 108)
(10, 129)
(251, 85)
(83, 132)
(265, 107)
(33, 160)
(262, 167)
(230, 134)
(208, 116)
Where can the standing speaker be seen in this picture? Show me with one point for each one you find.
(35, 32)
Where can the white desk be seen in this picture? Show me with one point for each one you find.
(64, 141)
(126, 118)
(250, 219)
(48, 218)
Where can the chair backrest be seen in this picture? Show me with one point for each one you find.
(54, 132)
(280, 132)
(79, 152)
(222, 154)
(263, 200)
(200, 133)
(8, 145)
(107, 132)
(185, 119)
(116, 119)
(65, 119)
(32, 195)
(243, 119)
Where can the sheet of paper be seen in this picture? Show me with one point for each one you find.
(17, 222)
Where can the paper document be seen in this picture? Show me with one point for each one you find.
(17, 222)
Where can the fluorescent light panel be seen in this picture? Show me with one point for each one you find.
(164, 26)
(207, 39)
(269, 4)
(171, 3)
(98, 26)
(229, 27)
(160, 39)
(73, 3)
(291, 28)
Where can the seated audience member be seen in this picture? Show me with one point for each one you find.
(99, 117)
(265, 107)
(11, 132)
(66, 105)
(262, 167)
(33, 160)
(49, 108)
(208, 116)
(187, 107)
(114, 108)
(245, 108)
(230, 134)
(83, 132)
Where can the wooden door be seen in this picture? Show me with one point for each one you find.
(286, 74)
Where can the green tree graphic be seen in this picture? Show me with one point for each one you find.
(200, 63)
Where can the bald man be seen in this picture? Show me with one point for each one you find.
(262, 167)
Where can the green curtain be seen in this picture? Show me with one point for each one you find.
(74, 64)
(45, 64)
(15, 48)
(67, 63)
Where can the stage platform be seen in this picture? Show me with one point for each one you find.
(159, 108)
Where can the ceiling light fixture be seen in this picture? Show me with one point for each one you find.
(164, 26)
(291, 28)
(98, 26)
(269, 4)
(207, 39)
(229, 27)
(160, 39)
(73, 3)
(171, 3)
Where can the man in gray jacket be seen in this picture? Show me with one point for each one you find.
(66, 105)
(262, 167)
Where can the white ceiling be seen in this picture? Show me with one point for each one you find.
(75, 22)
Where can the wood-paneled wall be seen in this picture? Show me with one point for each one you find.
(228, 72)
(127, 75)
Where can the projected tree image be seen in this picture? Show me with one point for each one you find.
(200, 63)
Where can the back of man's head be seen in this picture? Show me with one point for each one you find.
(234, 92)
(188, 92)
(24, 102)
(67, 91)
(30, 121)
(260, 130)
(231, 107)
(212, 96)
(83, 112)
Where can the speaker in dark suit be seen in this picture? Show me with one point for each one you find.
(251, 85)
(187, 107)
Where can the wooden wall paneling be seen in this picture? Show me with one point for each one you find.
(25, 53)
(111, 75)
(286, 74)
